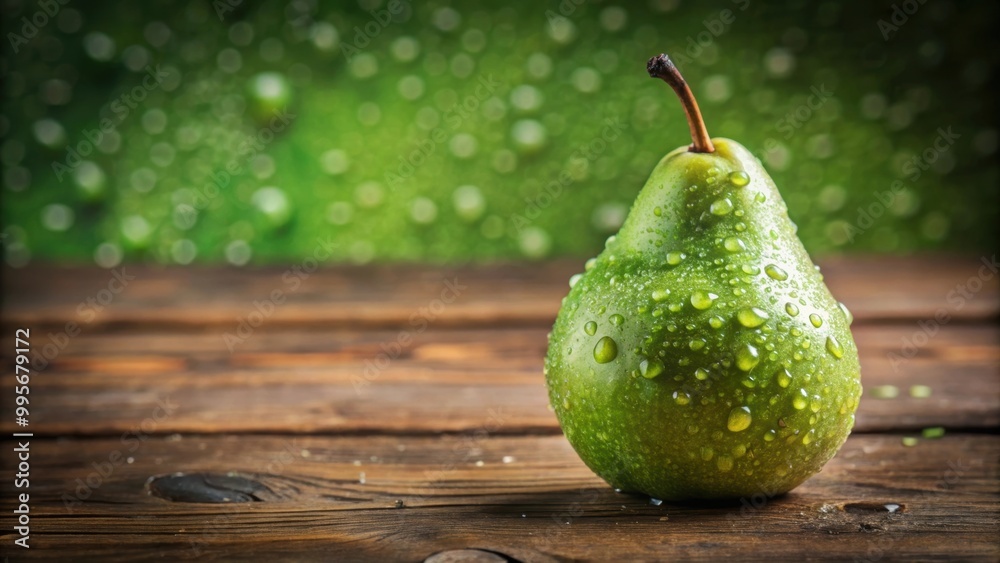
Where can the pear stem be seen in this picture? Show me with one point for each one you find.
(663, 68)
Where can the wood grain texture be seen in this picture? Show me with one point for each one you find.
(875, 288)
(338, 498)
(363, 420)
(340, 381)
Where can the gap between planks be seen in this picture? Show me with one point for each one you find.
(876, 288)
(445, 381)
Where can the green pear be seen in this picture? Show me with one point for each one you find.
(700, 355)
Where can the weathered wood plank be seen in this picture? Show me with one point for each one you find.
(875, 288)
(915, 287)
(338, 498)
(194, 297)
(298, 381)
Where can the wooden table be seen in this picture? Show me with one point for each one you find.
(399, 413)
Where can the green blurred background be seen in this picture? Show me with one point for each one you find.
(430, 131)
